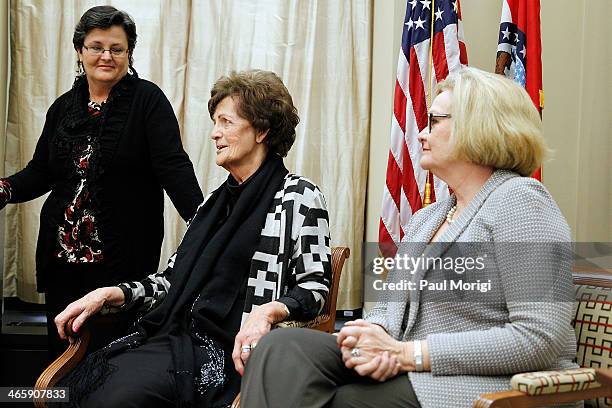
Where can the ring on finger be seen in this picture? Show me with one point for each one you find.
(253, 345)
(355, 352)
(246, 349)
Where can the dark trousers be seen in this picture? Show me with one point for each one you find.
(141, 378)
(293, 368)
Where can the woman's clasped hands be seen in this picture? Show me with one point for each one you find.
(370, 351)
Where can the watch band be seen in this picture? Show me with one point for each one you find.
(418, 356)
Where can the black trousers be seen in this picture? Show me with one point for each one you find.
(293, 368)
(141, 378)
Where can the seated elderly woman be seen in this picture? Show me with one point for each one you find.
(256, 252)
(421, 346)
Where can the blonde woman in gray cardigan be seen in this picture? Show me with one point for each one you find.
(433, 345)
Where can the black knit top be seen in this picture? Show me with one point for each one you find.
(133, 153)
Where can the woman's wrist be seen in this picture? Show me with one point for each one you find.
(113, 296)
(405, 356)
(276, 312)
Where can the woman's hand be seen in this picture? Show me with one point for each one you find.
(86, 306)
(258, 324)
(370, 351)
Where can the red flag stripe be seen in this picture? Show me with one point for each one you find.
(417, 91)
(410, 187)
(394, 177)
(399, 106)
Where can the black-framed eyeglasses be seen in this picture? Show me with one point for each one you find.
(433, 116)
(97, 50)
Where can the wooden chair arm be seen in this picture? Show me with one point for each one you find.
(236, 402)
(106, 328)
(604, 376)
(64, 363)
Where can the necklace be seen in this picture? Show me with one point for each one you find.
(450, 213)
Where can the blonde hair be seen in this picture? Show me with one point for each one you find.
(495, 121)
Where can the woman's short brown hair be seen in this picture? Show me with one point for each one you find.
(263, 100)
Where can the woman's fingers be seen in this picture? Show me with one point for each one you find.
(80, 309)
(351, 361)
(389, 370)
(80, 320)
(368, 368)
(349, 342)
(381, 370)
(60, 323)
(358, 322)
(351, 331)
(62, 319)
(236, 353)
(395, 366)
(238, 363)
(245, 342)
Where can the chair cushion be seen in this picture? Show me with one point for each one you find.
(550, 382)
(593, 326)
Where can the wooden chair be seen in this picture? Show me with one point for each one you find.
(593, 382)
(96, 330)
(326, 321)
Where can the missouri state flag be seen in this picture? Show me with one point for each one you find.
(519, 50)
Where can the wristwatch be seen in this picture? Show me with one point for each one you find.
(418, 357)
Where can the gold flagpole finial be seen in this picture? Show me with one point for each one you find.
(427, 199)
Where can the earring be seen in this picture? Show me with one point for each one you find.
(79, 68)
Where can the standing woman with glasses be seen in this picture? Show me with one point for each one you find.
(109, 148)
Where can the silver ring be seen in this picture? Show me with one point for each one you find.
(246, 349)
(355, 352)
(253, 345)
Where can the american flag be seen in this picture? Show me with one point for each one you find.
(519, 50)
(405, 185)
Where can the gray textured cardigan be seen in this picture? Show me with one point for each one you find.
(475, 348)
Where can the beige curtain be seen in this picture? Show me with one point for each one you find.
(321, 49)
(594, 171)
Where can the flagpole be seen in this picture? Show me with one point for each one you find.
(427, 198)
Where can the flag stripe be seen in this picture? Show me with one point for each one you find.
(393, 176)
(440, 56)
(417, 91)
(411, 189)
(399, 106)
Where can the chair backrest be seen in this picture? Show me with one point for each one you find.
(593, 324)
(339, 255)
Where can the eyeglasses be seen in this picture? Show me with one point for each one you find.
(114, 51)
(433, 116)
